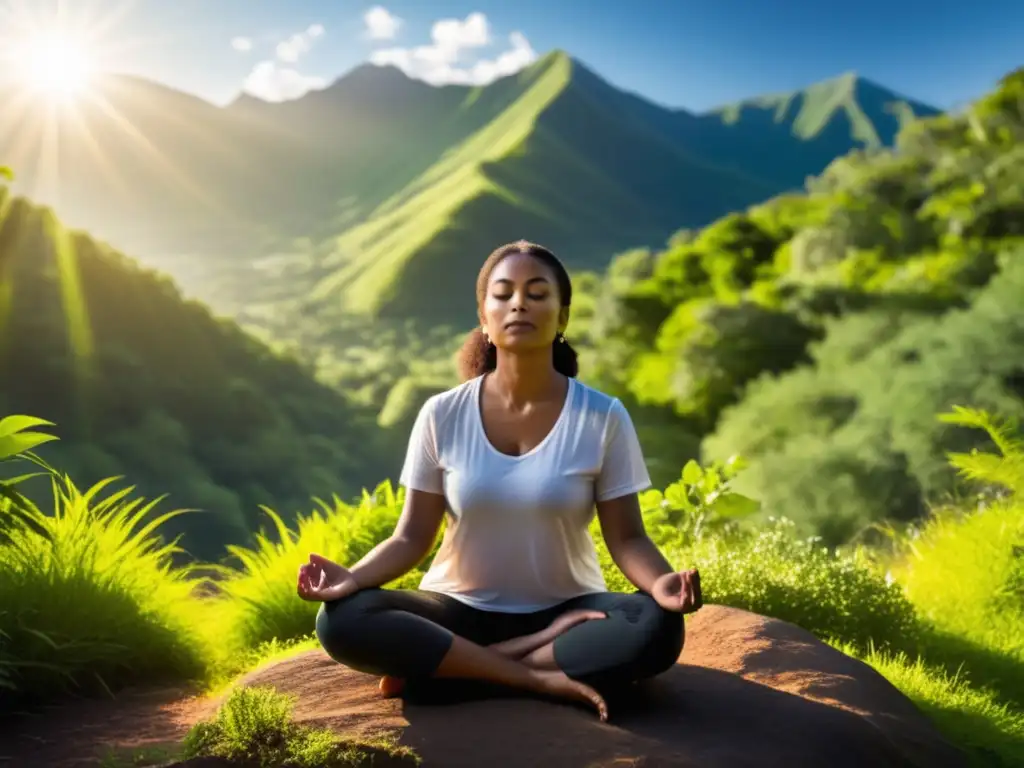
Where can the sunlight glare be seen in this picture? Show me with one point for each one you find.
(58, 66)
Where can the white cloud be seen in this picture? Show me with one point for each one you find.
(277, 81)
(442, 61)
(272, 82)
(294, 47)
(381, 24)
(241, 44)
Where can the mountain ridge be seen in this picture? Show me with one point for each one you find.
(348, 185)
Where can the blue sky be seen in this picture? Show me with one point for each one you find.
(685, 53)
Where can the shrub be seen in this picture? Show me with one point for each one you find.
(833, 595)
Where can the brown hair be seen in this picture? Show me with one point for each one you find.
(478, 355)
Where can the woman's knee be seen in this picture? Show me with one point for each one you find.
(340, 626)
(660, 634)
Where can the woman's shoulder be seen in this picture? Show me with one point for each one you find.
(446, 402)
(595, 401)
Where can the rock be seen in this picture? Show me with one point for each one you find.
(748, 691)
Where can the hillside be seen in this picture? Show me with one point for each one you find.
(818, 334)
(557, 162)
(784, 138)
(143, 383)
(371, 194)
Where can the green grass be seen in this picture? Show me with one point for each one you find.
(990, 731)
(95, 589)
(94, 602)
(254, 727)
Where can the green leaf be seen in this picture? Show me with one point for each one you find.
(12, 445)
(735, 506)
(19, 513)
(677, 496)
(692, 472)
(12, 481)
(6, 173)
(18, 423)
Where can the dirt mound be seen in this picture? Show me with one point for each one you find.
(749, 691)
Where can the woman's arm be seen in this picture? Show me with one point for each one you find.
(404, 549)
(638, 557)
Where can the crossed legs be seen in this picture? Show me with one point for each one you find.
(570, 651)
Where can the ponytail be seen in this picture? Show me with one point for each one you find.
(478, 356)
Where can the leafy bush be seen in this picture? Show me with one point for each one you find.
(775, 573)
(769, 571)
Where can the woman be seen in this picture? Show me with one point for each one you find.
(519, 454)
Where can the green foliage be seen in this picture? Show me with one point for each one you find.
(988, 730)
(259, 588)
(96, 602)
(1006, 469)
(17, 439)
(701, 503)
(817, 334)
(148, 385)
(254, 726)
(775, 573)
(963, 568)
(854, 439)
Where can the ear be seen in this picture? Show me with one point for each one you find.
(563, 319)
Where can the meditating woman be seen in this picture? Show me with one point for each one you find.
(519, 455)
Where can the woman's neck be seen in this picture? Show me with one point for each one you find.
(524, 378)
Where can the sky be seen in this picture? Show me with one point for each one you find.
(694, 54)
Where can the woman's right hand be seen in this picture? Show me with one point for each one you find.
(322, 579)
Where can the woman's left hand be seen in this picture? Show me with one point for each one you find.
(678, 591)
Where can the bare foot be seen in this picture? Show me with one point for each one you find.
(556, 683)
(391, 686)
(518, 647)
(570, 619)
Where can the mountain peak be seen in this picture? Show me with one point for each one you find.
(873, 113)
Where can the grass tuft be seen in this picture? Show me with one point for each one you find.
(254, 727)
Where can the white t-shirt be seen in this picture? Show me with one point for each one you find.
(517, 538)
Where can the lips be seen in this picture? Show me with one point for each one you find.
(519, 324)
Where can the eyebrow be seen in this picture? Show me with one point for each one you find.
(531, 280)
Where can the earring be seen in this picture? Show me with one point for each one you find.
(561, 338)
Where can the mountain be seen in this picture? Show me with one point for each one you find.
(379, 195)
(552, 160)
(784, 138)
(144, 384)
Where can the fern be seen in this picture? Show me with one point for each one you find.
(1006, 469)
(18, 437)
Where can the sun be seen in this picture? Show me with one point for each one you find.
(58, 66)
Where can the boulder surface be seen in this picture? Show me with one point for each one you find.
(747, 691)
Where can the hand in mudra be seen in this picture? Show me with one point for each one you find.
(678, 591)
(323, 579)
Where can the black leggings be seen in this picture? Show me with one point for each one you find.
(406, 633)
